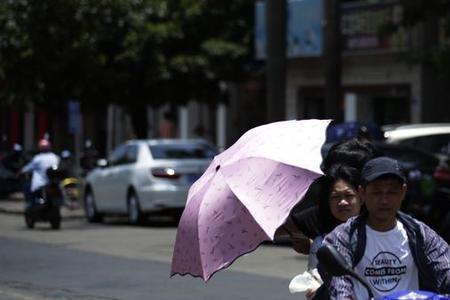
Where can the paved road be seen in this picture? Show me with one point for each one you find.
(117, 261)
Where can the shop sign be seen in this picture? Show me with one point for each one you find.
(363, 26)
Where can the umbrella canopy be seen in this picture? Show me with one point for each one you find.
(246, 194)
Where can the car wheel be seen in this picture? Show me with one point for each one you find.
(135, 215)
(90, 208)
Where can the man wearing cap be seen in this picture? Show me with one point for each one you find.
(389, 249)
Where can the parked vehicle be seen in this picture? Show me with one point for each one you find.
(430, 137)
(143, 177)
(46, 207)
(9, 182)
(10, 165)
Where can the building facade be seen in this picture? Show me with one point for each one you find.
(379, 80)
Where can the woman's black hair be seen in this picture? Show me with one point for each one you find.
(336, 172)
(346, 154)
(350, 152)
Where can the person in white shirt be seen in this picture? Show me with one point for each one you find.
(390, 250)
(39, 165)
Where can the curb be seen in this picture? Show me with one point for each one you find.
(10, 211)
(65, 213)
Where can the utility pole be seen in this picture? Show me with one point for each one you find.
(276, 16)
(332, 58)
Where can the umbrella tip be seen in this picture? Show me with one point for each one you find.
(217, 168)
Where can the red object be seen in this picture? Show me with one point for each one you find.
(442, 174)
(165, 173)
(44, 145)
(167, 129)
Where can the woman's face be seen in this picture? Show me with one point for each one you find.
(344, 201)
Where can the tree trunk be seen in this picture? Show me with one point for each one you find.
(332, 57)
(138, 113)
(276, 15)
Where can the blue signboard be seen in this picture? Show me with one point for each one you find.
(260, 30)
(304, 29)
(74, 117)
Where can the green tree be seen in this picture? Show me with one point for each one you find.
(434, 18)
(130, 52)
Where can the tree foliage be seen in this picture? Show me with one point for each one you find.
(130, 52)
(433, 18)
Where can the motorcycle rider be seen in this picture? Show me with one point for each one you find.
(389, 249)
(38, 166)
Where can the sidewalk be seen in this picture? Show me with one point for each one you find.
(14, 204)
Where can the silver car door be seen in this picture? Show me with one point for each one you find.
(110, 195)
(100, 186)
(122, 177)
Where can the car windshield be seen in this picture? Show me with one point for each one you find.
(182, 151)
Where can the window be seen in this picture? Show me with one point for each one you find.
(437, 143)
(131, 153)
(124, 154)
(183, 151)
(117, 155)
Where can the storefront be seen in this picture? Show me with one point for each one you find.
(377, 85)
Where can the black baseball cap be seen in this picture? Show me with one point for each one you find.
(381, 166)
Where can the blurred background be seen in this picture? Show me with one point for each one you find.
(105, 80)
(108, 71)
(91, 75)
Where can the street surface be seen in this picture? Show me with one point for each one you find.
(116, 261)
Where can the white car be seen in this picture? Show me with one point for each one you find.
(144, 177)
(430, 137)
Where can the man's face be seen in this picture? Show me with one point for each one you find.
(383, 198)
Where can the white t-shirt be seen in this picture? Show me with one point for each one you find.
(39, 165)
(387, 264)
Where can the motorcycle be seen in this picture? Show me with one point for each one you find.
(335, 265)
(45, 205)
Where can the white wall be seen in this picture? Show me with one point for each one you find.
(373, 70)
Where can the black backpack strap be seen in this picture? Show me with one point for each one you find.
(358, 225)
(416, 244)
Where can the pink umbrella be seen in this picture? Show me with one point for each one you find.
(246, 194)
